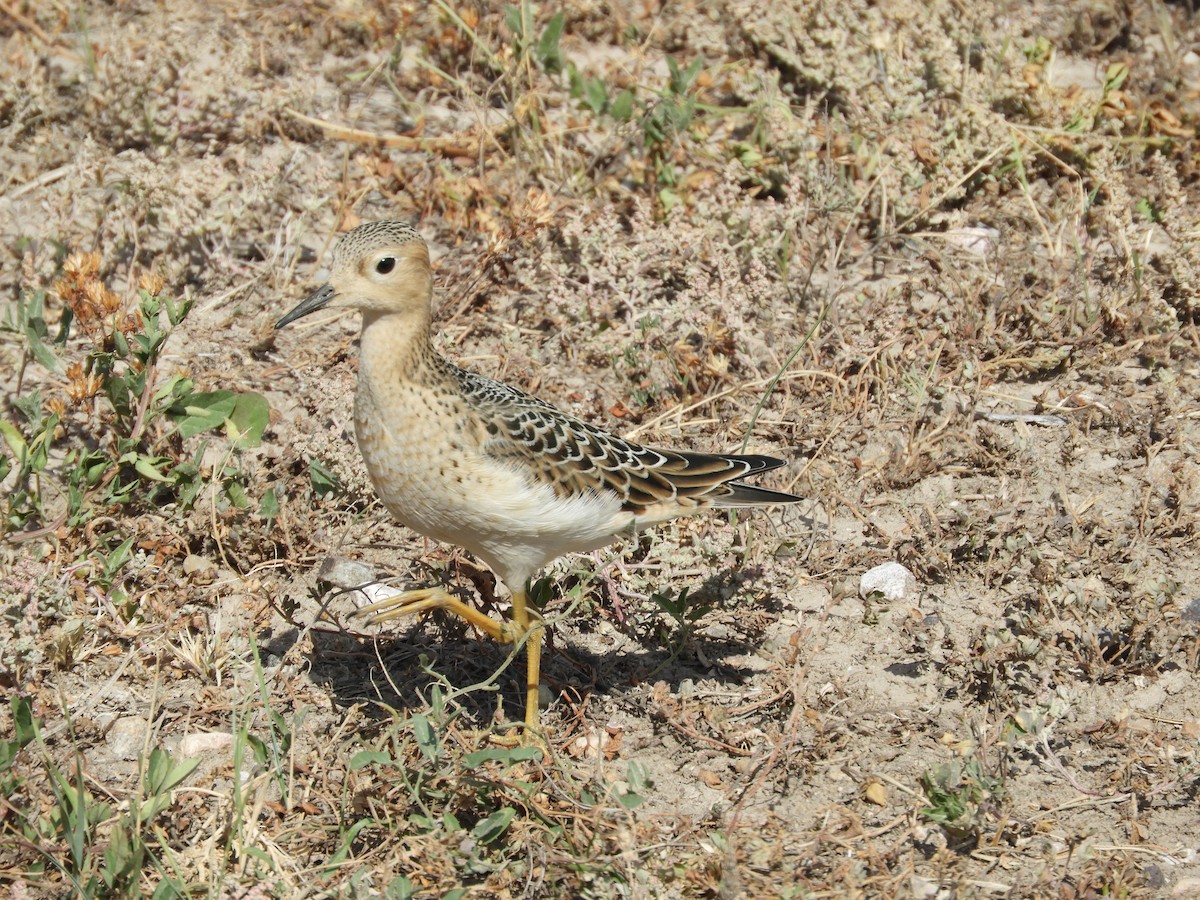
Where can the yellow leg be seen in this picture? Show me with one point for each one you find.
(523, 623)
(531, 624)
(412, 602)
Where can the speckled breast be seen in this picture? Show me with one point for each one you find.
(414, 451)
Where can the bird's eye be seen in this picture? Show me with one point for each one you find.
(385, 265)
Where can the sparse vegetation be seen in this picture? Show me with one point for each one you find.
(946, 264)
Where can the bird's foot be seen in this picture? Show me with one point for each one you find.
(411, 603)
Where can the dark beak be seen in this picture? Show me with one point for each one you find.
(314, 301)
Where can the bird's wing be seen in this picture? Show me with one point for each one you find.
(576, 458)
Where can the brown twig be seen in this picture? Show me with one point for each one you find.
(27, 23)
(446, 146)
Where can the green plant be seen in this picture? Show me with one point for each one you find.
(466, 801)
(118, 421)
(593, 94)
(272, 754)
(100, 851)
(24, 731)
(324, 483)
(544, 49)
(685, 611)
(665, 122)
(960, 794)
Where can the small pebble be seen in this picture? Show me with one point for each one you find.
(891, 581)
(205, 742)
(126, 738)
(345, 573)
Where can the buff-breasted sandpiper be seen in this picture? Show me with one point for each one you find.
(474, 462)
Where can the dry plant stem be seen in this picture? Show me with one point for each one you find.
(139, 420)
(44, 180)
(45, 530)
(27, 23)
(453, 147)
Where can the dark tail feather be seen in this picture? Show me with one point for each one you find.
(717, 478)
(749, 495)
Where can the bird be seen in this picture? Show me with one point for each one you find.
(471, 461)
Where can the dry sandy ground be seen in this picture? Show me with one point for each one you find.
(941, 257)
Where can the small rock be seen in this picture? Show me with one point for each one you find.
(891, 581)
(193, 564)
(980, 240)
(126, 738)
(590, 746)
(1191, 612)
(204, 742)
(718, 632)
(875, 792)
(357, 579)
(1067, 71)
(1186, 887)
(922, 887)
(345, 573)
(1154, 877)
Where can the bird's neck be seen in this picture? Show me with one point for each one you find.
(397, 347)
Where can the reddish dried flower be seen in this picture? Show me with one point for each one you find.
(80, 385)
(152, 283)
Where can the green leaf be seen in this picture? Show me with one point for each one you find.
(146, 467)
(16, 443)
(169, 889)
(512, 20)
(681, 79)
(365, 758)
(249, 419)
(1115, 76)
(173, 388)
(427, 738)
(595, 95)
(24, 725)
(165, 774)
(494, 825)
(630, 799)
(515, 755)
(547, 49)
(324, 482)
(114, 562)
(347, 841)
(237, 495)
(41, 352)
(176, 312)
(31, 319)
(622, 106)
(202, 411)
(258, 748)
(400, 888)
(268, 507)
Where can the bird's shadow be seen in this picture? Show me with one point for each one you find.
(398, 668)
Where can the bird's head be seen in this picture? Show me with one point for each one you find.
(378, 268)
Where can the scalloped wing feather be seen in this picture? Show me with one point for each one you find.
(575, 458)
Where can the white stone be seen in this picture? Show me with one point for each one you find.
(891, 580)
